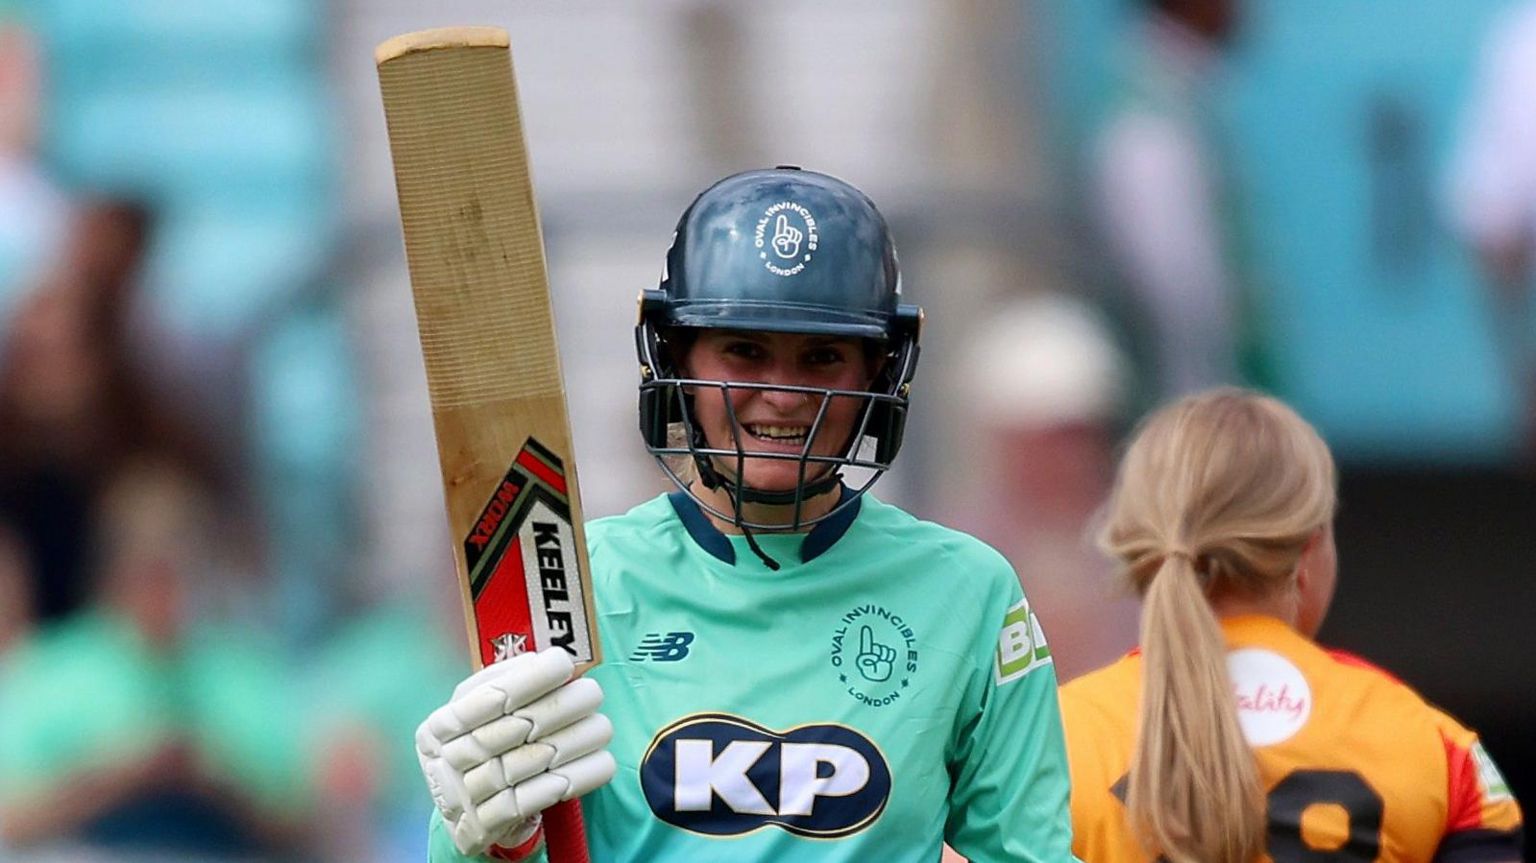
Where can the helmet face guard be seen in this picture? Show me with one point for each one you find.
(777, 251)
(672, 432)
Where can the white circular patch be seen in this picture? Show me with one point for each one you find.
(1273, 699)
(786, 236)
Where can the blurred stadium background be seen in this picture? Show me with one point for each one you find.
(225, 592)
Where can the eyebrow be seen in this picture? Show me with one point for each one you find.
(811, 341)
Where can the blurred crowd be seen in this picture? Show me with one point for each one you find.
(164, 693)
(225, 592)
(150, 702)
(149, 699)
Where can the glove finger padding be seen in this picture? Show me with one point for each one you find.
(446, 786)
(562, 707)
(586, 774)
(512, 805)
(473, 835)
(515, 739)
(580, 738)
(497, 690)
(486, 742)
(587, 735)
(554, 711)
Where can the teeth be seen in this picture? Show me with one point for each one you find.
(783, 433)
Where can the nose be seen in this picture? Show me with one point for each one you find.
(783, 401)
(782, 374)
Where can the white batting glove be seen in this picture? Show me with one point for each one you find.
(517, 737)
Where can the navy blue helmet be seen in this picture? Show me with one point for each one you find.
(781, 250)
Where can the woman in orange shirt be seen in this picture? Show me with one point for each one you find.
(1229, 735)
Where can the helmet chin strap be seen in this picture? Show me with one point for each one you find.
(751, 540)
(740, 494)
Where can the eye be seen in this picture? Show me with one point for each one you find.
(744, 349)
(826, 355)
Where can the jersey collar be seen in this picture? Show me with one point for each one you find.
(822, 536)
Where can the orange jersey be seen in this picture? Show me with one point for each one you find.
(1355, 765)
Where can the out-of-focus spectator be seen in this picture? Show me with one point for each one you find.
(1160, 196)
(1493, 188)
(1049, 386)
(382, 670)
(32, 210)
(132, 727)
(16, 612)
(74, 404)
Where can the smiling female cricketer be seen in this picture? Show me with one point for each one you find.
(797, 671)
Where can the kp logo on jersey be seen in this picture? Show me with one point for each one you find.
(722, 775)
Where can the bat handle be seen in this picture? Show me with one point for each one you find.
(564, 833)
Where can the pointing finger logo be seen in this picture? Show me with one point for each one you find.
(786, 234)
(874, 654)
(786, 238)
(875, 660)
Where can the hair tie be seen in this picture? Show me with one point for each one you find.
(1201, 575)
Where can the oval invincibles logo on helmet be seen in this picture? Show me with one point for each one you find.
(785, 238)
(722, 775)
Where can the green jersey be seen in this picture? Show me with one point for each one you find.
(884, 691)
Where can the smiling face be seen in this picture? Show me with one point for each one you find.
(776, 421)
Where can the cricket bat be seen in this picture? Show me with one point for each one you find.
(476, 258)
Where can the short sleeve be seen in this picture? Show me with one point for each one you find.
(1483, 819)
(1008, 766)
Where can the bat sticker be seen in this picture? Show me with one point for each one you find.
(523, 563)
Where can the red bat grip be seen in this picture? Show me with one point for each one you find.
(564, 834)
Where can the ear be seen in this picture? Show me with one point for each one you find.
(679, 347)
(875, 360)
(1308, 553)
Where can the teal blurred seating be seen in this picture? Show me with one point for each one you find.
(212, 24)
(196, 142)
(229, 271)
(219, 114)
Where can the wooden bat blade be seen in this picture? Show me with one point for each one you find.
(476, 259)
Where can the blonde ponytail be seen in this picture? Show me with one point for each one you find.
(1193, 790)
(1217, 494)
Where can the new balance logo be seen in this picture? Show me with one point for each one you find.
(659, 647)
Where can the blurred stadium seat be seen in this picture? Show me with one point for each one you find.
(221, 116)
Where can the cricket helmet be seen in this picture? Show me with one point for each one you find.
(780, 250)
